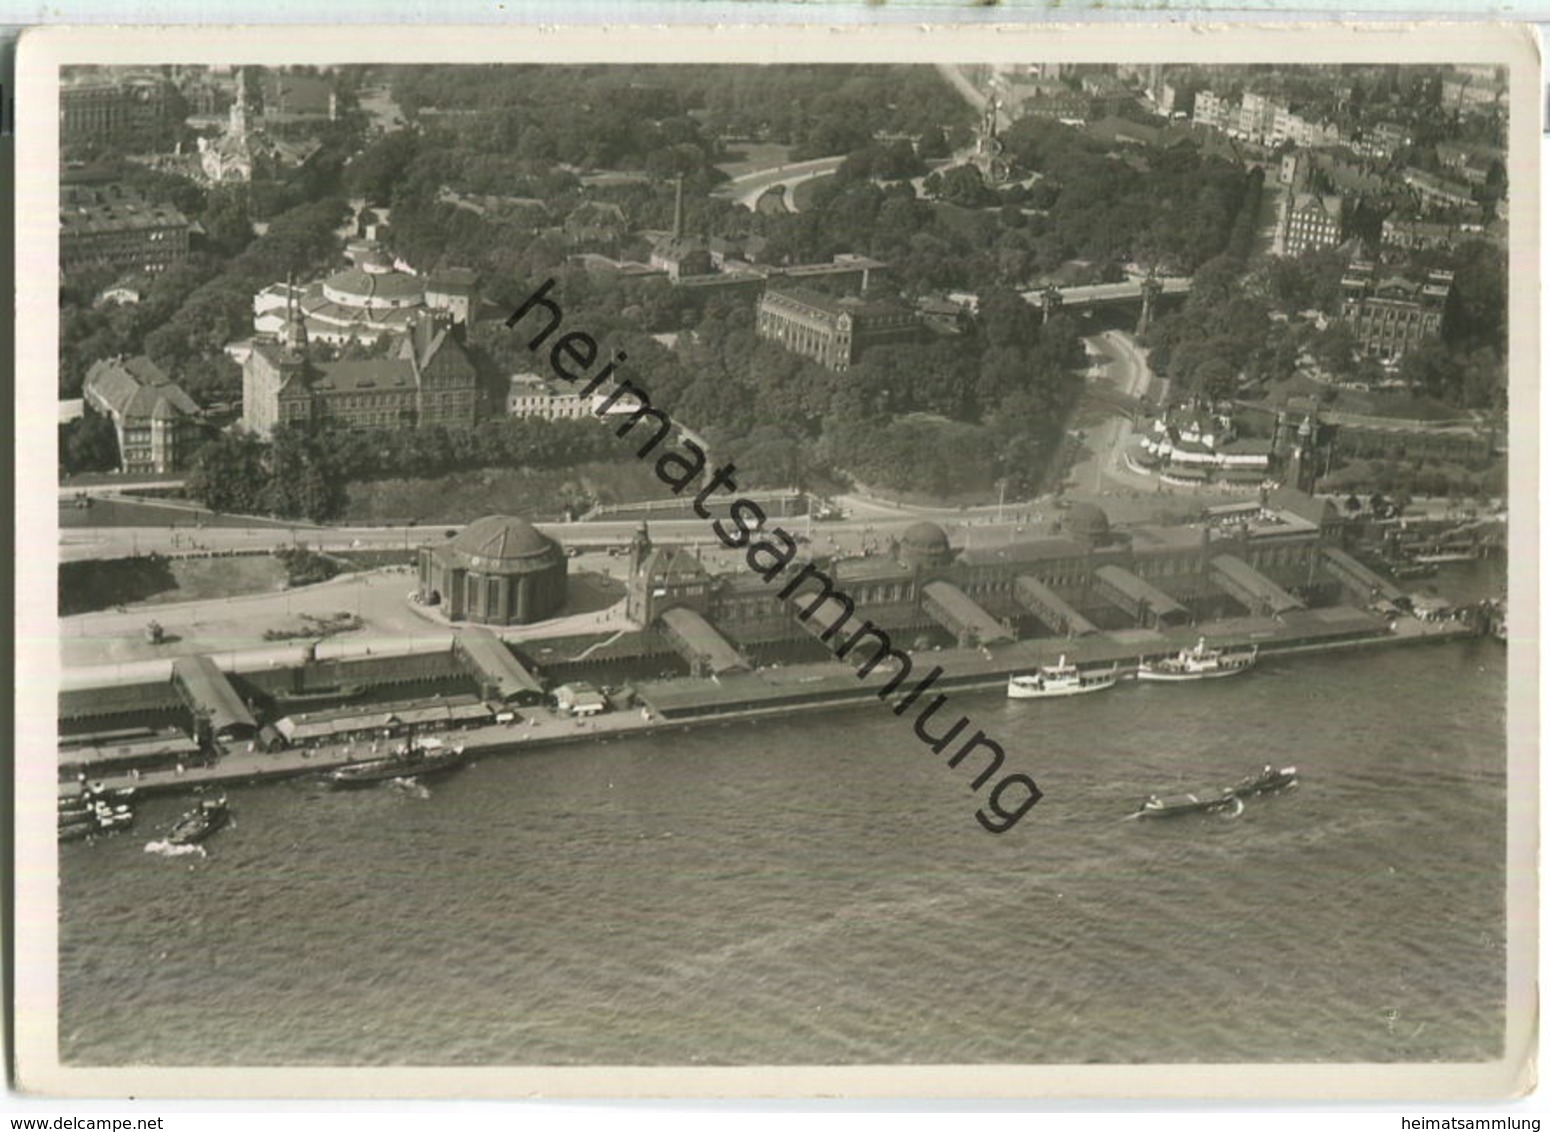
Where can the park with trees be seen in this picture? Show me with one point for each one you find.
(949, 417)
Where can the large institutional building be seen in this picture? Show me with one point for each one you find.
(129, 110)
(1393, 315)
(1271, 557)
(499, 570)
(832, 332)
(156, 422)
(367, 302)
(427, 380)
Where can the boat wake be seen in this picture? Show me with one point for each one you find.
(410, 788)
(168, 849)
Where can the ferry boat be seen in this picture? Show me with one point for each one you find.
(200, 822)
(1199, 663)
(427, 756)
(1060, 679)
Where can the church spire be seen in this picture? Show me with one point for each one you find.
(678, 207)
(239, 108)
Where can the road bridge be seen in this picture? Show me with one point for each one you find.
(1143, 294)
(749, 187)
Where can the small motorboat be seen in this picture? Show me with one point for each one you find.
(86, 794)
(1267, 781)
(1178, 805)
(91, 813)
(199, 823)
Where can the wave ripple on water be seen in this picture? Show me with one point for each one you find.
(815, 889)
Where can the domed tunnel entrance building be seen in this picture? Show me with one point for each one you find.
(499, 570)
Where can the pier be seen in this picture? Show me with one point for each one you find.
(677, 703)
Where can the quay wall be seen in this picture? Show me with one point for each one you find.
(251, 767)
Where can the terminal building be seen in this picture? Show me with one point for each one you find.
(1267, 558)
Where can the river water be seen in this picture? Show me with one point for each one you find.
(816, 889)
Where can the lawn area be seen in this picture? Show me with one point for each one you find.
(754, 157)
(802, 195)
(772, 202)
(464, 496)
(88, 586)
(125, 513)
(199, 579)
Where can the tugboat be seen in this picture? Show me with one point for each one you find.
(1268, 781)
(329, 694)
(1199, 663)
(427, 756)
(1177, 805)
(1060, 679)
(200, 822)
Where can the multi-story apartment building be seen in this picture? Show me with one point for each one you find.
(1421, 235)
(1383, 140)
(1438, 192)
(1256, 116)
(111, 227)
(1308, 222)
(1213, 110)
(532, 395)
(1464, 93)
(156, 422)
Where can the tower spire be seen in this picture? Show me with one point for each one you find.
(678, 207)
(295, 335)
(239, 108)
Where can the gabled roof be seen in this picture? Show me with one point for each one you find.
(137, 387)
(369, 373)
